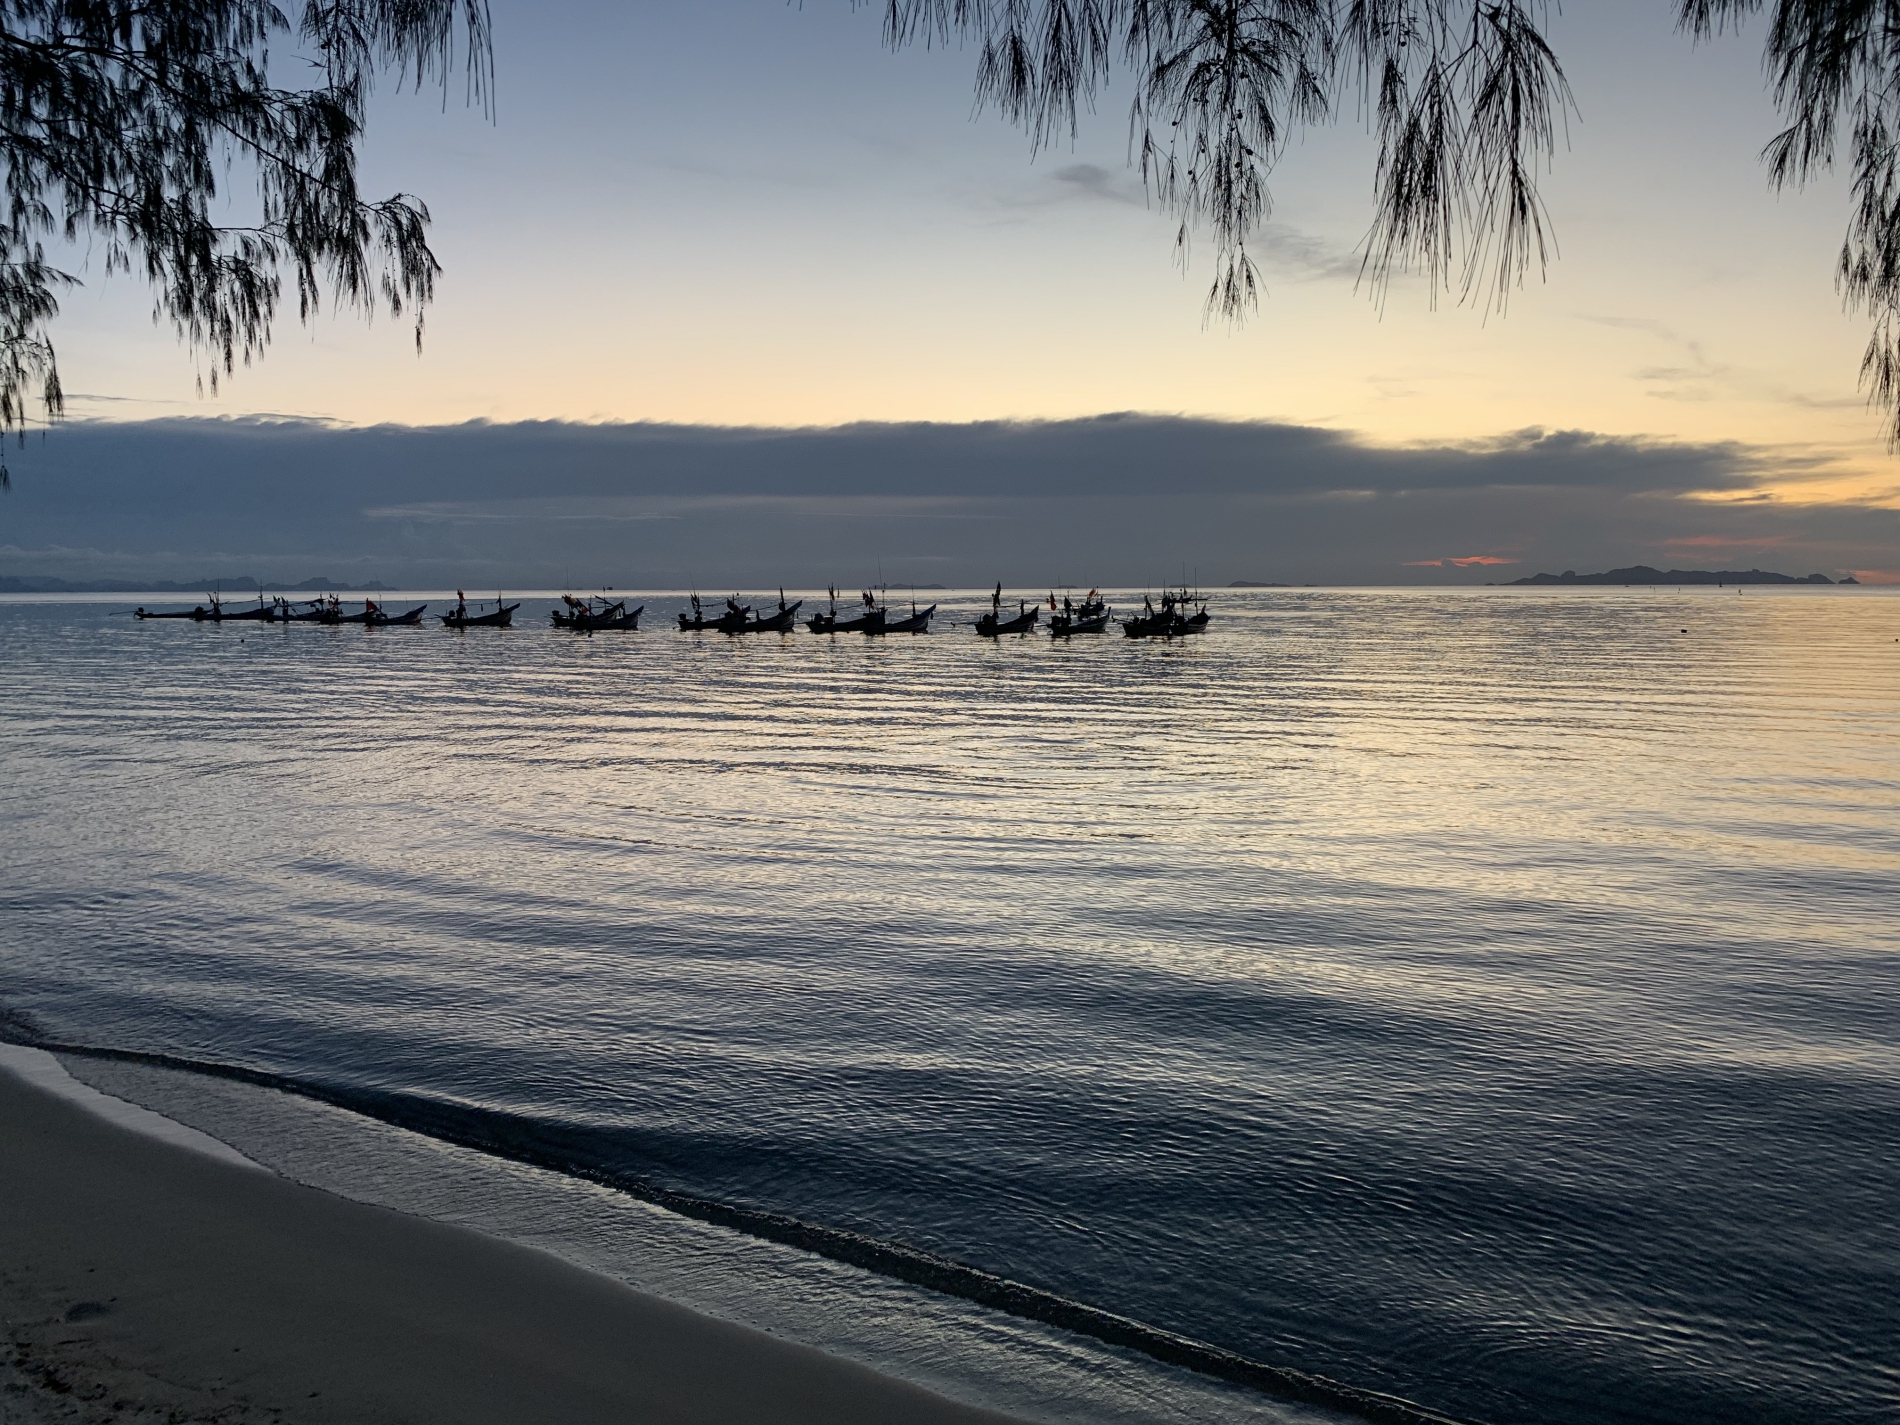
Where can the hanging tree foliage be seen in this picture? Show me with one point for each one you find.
(1466, 98)
(124, 120)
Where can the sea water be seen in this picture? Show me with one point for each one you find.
(1482, 998)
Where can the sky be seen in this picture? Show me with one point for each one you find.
(709, 226)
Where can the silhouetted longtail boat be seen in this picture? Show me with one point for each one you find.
(500, 617)
(197, 615)
(994, 625)
(591, 615)
(1089, 616)
(263, 613)
(625, 619)
(780, 622)
(1170, 621)
(826, 621)
(916, 622)
(217, 613)
(376, 616)
(872, 620)
(731, 621)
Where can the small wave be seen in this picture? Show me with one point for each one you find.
(512, 1137)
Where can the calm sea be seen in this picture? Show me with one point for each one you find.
(1483, 998)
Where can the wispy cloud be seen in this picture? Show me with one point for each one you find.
(1302, 253)
(1090, 180)
(1697, 376)
(1286, 250)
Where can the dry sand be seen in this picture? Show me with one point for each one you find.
(143, 1281)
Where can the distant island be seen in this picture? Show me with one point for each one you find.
(27, 584)
(1643, 574)
(1254, 584)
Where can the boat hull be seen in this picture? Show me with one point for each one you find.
(1064, 626)
(724, 623)
(780, 622)
(989, 627)
(918, 622)
(618, 617)
(1166, 626)
(403, 620)
(501, 618)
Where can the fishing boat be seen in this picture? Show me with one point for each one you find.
(826, 619)
(501, 616)
(593, 615)
(872, 620)
(627, 618)
(263, 613)
(918, 622)
(1171, 620)
(733, 620)
(1089, 616)
(197, 615)
(994, 625)
(216, 613)
(374, 615)
(314, 611)
(780, 622)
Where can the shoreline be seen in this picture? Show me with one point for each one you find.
(144, 1279)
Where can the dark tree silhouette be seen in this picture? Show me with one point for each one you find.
(1466, 98)
(120, 121)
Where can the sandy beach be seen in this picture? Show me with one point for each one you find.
(141, 1280)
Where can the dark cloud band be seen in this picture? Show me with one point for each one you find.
(1114, 498)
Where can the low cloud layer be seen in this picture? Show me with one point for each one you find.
(1112, 500)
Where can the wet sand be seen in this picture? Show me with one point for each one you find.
(141, 1280)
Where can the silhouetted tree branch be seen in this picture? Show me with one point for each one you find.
(1466, 98)
(120, 121)
(1465, 95)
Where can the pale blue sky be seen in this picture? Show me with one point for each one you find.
(744, 210)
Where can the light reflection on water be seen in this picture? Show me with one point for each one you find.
(1481, 996)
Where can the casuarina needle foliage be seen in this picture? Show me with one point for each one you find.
(1467, 99)
(121, 124)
